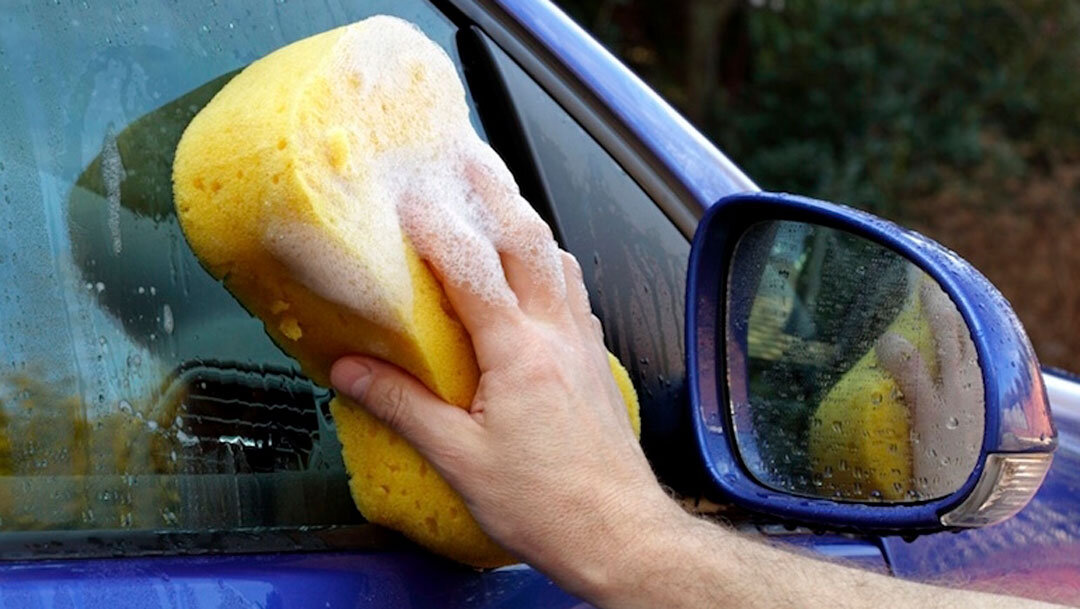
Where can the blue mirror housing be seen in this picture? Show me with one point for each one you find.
(1018, 432)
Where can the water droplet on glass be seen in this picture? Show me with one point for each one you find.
(167, 319)
(952, 423)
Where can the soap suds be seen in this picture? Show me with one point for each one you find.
(341, 274)
(402, 162)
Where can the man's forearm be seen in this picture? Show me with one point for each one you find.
(693, 563)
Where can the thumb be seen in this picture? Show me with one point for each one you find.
(403, 403)
(904, 363)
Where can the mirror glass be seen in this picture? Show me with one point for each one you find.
(852, 375)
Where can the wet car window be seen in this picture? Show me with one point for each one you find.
(135, 393)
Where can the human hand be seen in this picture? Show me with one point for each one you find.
(545, 457)
(946, 413)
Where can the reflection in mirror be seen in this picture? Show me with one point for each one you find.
(852, 374)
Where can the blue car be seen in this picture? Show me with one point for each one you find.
(158, 450)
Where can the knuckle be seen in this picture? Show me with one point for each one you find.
(537, 231)
(448, 454)
(390, 400)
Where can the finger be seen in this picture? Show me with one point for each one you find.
(597, 329)
(577, 295)
(530, 255)
(533, 266)
(465, 263)
(902, 361)
(944, 320)
(535, 275)
(434, 427)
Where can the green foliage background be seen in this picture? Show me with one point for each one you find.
(959, 117)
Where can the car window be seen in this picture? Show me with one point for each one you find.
(135, 393)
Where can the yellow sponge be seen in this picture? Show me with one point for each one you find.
(285, 186)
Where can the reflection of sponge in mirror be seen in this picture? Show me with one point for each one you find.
(287, 187)
(860, 444)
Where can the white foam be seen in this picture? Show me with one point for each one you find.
(439, 186)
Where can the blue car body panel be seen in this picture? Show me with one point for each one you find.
(357, 580)
(689, 168)
(353, 580)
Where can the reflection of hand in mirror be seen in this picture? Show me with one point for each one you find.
(945, 411)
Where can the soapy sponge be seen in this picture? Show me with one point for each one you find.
(289, 186)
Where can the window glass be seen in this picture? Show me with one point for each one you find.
(135, 393)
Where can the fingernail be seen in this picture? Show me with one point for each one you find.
(351, 377)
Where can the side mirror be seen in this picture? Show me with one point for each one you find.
(846, 372)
